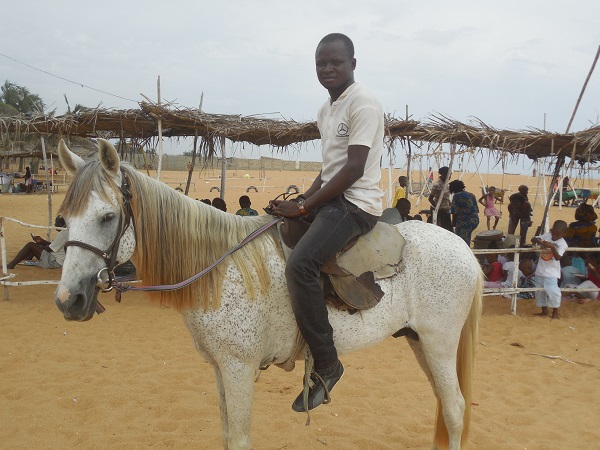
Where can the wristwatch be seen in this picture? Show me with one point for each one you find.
(301, 207)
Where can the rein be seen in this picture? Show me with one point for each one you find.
(110, 255)
(124, 287)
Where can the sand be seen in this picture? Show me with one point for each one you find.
(131, 378)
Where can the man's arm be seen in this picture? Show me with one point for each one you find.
(351, 172)
(314, 187)
(433, 195)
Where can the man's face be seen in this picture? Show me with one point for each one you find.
(404, 210)
(335, 68)
(557, 232)
(402, 181)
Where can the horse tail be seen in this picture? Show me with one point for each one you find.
(465, 358)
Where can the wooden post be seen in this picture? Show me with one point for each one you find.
(583, 90)
(48, 188)
(4, 262)
(408, 158)
(391, 169)
(223, 167)
(160, 143)
(191, 170)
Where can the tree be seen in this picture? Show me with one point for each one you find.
(7, 110)
(21, 99)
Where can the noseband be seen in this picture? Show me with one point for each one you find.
(110, 255)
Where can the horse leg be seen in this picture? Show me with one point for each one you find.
(420, 356)
(237, 380)
(222, 407)
(440, 357)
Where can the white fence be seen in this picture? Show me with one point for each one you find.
(513, 291)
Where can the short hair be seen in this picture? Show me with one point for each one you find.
(333, 37)
(456, 186)
(560, 225)
(219, 203)
(403, 201)
(244, 201)
(60, 222)
(444, 170)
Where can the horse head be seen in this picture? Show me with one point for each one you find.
(101, 234)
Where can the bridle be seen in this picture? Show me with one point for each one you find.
(110, 255)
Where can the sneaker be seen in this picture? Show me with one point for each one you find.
(319, 392)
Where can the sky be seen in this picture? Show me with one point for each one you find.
(512, 64)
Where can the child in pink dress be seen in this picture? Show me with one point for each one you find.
(490, 210)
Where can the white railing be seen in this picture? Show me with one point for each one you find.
(513, 291)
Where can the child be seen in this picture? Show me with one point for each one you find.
(245, 209)
(547, 272)
(592, 281)
(490, 210)
(492, 271)
(528, 279)
(509, 271)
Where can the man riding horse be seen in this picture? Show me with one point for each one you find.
(344, 201)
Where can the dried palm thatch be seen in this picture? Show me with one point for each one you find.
(142, 125)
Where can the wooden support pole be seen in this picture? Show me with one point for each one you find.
(160, 143)
(48, 188)
(223, 167)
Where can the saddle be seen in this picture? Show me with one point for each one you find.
(350, 279)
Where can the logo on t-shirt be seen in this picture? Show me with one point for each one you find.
(547, 255)
(342, 130)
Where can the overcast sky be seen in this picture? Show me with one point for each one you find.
(506, 63)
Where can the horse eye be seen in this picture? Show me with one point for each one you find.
(108, 217)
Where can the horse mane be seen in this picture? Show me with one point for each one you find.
(177, 237)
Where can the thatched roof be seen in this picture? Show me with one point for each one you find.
(142, 124)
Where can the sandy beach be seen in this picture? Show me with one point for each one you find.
(131, 378)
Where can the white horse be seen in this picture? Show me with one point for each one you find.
(239, 315)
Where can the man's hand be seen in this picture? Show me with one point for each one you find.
(286, 208)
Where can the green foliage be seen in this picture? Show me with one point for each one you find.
(7, 110)
(21, 99)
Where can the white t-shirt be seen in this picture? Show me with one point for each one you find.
(509, 267)
(355, 118)
(548, 266)
(58, 246)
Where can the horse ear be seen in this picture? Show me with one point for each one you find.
(69, 160)
(108, 157)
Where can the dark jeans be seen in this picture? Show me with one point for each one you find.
(444, 219)
(512, 227)
(334, 224)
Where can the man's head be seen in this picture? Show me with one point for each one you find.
(59, 222)
(335, 63)
(524, 190)
(403, 207)
(558, 229)
(443, 172)
(456, 186)
(526, 266)
(245, 201)
(402, 181)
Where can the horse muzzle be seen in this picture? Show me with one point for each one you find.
(76, 304)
